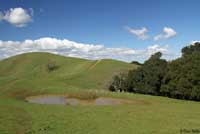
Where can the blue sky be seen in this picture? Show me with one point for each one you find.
(103, 22)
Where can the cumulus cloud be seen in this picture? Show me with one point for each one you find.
(167, 33)
(70, 48)
(18, 17)
(194, 41)
(140, 33)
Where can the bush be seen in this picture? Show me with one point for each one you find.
(136, 63)
(51, 66)
(119, 83)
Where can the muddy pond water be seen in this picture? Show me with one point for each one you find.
(63, 100)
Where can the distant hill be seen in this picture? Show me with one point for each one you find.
(31, 71)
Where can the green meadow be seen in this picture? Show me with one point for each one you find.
(35, 74)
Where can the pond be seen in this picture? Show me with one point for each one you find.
(64, 100)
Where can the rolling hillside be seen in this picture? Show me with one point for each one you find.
(28, 75)
(30, 72)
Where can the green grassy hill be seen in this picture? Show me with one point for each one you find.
(27, 75)
(30, 72)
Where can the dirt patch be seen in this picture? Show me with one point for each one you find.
(65, 100)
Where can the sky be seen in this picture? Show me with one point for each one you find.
(128, 30)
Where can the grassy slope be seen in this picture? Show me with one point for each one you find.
(29, 72)
(149, 114)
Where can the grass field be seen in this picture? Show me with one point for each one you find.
(26, 75)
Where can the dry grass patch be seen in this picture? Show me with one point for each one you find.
(83, 95)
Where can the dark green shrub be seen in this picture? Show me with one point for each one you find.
(51, 66)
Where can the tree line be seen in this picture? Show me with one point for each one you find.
(179, 78)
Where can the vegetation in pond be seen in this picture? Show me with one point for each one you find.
(84, 95)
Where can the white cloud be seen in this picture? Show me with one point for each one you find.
(140, 33)
(17, 16)
(167, 33)
(70, 48)
(194, 41)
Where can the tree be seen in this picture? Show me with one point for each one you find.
(179, 78)
(182, 79)
(148, 78)
(194, 48)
